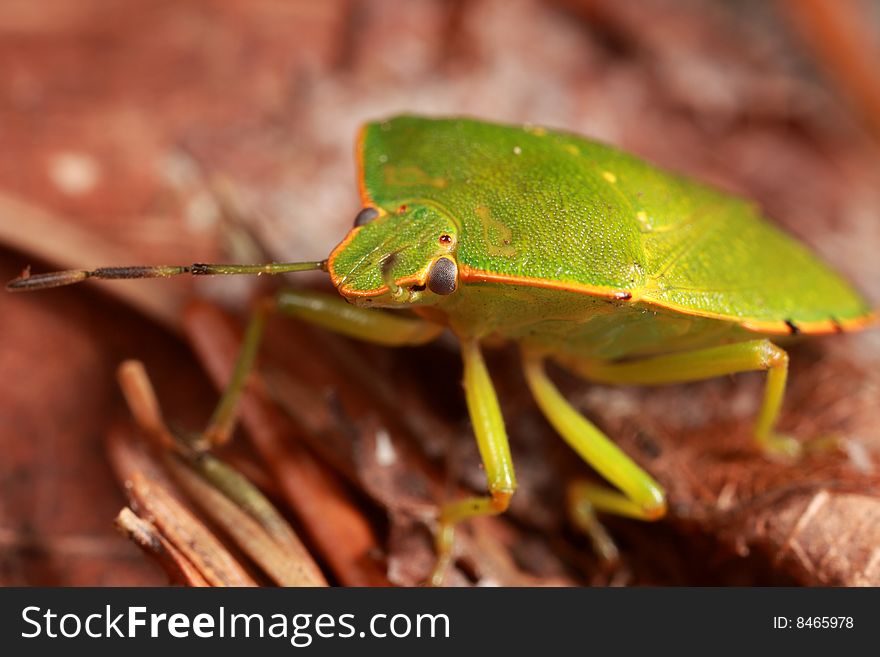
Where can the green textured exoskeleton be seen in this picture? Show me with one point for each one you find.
(572, 249)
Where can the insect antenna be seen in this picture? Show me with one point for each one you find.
(27, 283)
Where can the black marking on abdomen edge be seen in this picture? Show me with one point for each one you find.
(793, 328)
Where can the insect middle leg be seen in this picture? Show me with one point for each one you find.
(325, 310)
(642, 497)
(639, 496)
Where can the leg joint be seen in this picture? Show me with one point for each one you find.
(500, 500)
(656, 510)
(772, 357)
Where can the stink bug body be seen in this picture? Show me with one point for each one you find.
(571, 249)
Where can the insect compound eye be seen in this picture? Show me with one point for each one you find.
(365, 216)
(441, 278)
(445, 239)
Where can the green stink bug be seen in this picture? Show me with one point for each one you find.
(571, 249)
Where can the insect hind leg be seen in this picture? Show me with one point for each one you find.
(752, 355)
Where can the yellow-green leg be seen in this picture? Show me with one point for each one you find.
(222, 423)
(491, 438)
(642, 496)
(707, 364)
(383, 328)
(639, 496)
(331, 312)
(336, 314)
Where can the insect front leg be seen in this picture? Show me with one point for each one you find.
(494, 450)
(223, 419)
(335, 314)
(394, 330)
(325, 310)
(754, 355)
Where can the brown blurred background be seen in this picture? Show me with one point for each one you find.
(161, 131)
